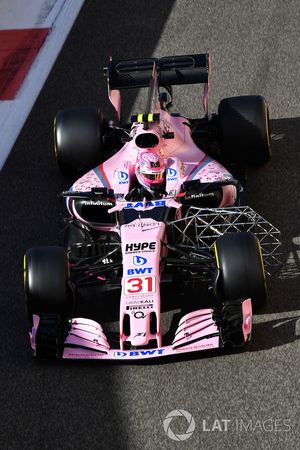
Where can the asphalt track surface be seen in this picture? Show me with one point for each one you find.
(255, 49)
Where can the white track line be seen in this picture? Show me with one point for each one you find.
(17, 14)
(14, 113)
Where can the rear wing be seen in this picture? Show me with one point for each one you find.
(171, 71)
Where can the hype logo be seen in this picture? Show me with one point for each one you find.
(139, 260)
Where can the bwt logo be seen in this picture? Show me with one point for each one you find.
(140, 271)
(140, 247)
(139, 260)
(172, 174)
(123, 177)
(139, 353)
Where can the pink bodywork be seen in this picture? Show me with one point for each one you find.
(142, 249)
(185, 162)
(140, 297)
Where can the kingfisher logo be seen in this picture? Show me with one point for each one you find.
(123, 177)
(172, 174)
(139, 260)
(140, 353)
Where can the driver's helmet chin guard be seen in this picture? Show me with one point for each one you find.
(150, 170)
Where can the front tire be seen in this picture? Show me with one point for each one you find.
(46, 281)
(241, 270)
(48, 299)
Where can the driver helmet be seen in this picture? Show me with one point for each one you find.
(150, 170)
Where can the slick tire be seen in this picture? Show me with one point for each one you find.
(241, 270)
(46, 281)
(244, 130)
(78, 140)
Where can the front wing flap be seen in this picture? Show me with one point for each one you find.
(197, 331)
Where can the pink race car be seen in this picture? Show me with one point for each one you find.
(158, 226)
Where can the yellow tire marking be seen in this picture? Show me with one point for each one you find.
(217, 256)
(25, 268)
(150, 117)
(263, 269)
(140, 118)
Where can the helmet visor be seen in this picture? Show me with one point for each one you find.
(154, 176)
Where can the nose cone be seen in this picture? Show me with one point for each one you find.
(139, 339)
(140, 328)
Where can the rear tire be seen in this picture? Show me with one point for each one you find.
(241, 270)
(244, 129)
(78, 139)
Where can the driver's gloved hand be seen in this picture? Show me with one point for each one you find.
(138, 193)
(134, 194)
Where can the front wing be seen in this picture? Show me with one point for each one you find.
(197, 331)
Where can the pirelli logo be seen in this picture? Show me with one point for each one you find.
(149, 118)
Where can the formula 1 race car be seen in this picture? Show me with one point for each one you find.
(160, 225)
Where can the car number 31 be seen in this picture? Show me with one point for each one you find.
(139, 285)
